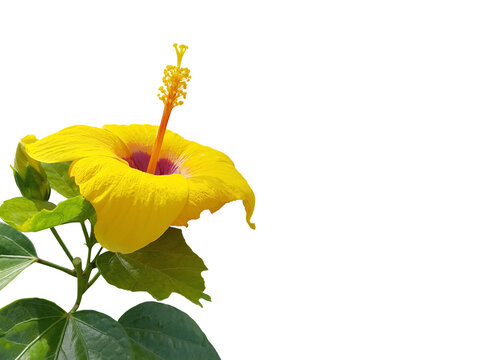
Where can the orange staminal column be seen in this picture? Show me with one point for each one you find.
(175, 81)
(152, 164)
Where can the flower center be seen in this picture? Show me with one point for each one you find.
(139, 160)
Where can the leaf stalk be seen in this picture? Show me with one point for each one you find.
(56, 266)
(62, 244)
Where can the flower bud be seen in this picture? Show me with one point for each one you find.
(29, 174)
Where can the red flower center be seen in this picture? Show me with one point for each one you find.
(139, 160)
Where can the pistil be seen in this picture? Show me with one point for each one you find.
(175, 80)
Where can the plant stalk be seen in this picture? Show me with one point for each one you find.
(82, 281)
(85, 233)
(91, 282)
(83, 276)
(58, 267)
(62, 244)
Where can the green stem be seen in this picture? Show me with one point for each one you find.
(83, 276)
(93, 240)
(55, 266)
(98, 254)
(91, 282)
(89, 256)
(82, 280)
(85, 233)
(62, 244)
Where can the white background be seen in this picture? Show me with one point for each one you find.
(355, 122)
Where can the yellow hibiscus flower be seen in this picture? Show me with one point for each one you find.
(141, 179)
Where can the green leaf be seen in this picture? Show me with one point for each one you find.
(33, 215)
(161, 332)
(16, 254)
(167, 265)
(37, 329)
(57, 175)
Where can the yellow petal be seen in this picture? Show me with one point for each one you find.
(140, 138)
(77, 142)
(136, 137)
(211, 176)
(133, 208)
(212, 181)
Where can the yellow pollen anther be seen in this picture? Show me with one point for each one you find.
(175, 79)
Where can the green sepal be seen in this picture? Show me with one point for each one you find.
(59, 180)
(33, 185)
(16, 254)
(29, 175)
(37, 329)
(167, 265)
(162, 332)
(31, 215)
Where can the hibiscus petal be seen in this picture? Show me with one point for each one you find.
(212, 181)
(140, 138)
(77, 142)
(136, 137)
(133, 208)
(212, 178)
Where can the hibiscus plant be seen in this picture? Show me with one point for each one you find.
(126, 185)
